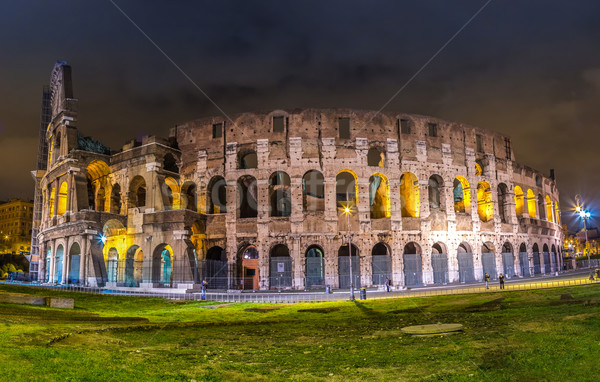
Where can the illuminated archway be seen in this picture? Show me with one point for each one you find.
(379, 196)
(62, 199)
(346, 188)
(74, 261)
(171, 194)
(541, 207)
(375, 157)
(485, 205)
(519, 200)
(58, 264)
(137, 192)
(549, 209)
(557, 210)
(188, 198)
(409, 195)
(100, 199)
(112, 265)
(162, 265)
(531, 204)
(503, 203)
(134, 259)
(462, 195)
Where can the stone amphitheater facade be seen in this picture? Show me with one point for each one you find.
(258, 201)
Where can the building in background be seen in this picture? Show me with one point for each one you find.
(15, 226)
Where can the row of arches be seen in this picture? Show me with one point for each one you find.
(61, 269)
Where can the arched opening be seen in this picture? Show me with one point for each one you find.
(112, 265)
(503, 203)
(485, 205)
(557, 211)
(555, 261)
(51, 203)
(100, 199)
(478, 168)
(170, 163)
(217, 196)
(280, 201)
(247, 159)
(313, 191)
(413, 270)
(549, 209)
(249, 271)
(488, 259)
(247, 201)
(74, 261)
(524, 260)
(171, 194)
(58, 264)
(48, 264)
(346, 188)
(508, 260)
(531, 204)
(409, 195)
(215, 268)
(537, 269)
(434, 189)
(375, 157)
(462, 195)
(315, 267)
(541, 207)
(379, 196)
(134, 260)
(115, 199)
(344, 267)
(439, 263)
(547, 264)
(162, 265)
(188, 196)
(381, 264)
(519, 201)
(137, 192)
(281, 267)
(62, 199)
(91, 194)
(466, 270)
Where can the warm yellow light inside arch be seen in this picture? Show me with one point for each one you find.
(531, 207)
(409, 195)
(355, 185)
(381, 207)
(175, 192)
(62, 199)
(485, 205)
(465, 204)
(549, 209)
(519, 200)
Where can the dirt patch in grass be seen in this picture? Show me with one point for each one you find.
(416, 309)
(486, 307)
(265, 309)
(319, 310)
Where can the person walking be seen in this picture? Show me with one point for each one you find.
(487, 280)
(204, 285)
(387, 284)
(501, 278)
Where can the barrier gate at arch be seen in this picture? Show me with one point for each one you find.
(344, 267)
(413, 274)
(466, 273)
(508, 264)
(439, 264)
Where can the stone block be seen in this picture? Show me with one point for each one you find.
(60, 302)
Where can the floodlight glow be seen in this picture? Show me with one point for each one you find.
(347, 210)
(103, 239)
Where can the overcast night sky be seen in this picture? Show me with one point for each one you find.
(527, 69)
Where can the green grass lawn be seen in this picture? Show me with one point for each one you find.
(516, 336)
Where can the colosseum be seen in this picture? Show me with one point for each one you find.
(272, 200)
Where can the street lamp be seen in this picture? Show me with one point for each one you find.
(583, 214)
(348, 211)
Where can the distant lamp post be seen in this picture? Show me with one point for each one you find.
(584, 215)
(347, 210)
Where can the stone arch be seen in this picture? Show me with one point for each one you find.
(555, 259)
(215, 268)
(313, 191)
(549, 209)
(519, 200)
(62, 198)
(376, 157)
(247, 197)
(503, 211)
(409, 195)
(162, 265)
(537, 269)
(344, 266)
(97, 178)
(171, 194)
(59, 257)
(524, 260)
(413, 269)
(541, 207)
(100, 200)
(280, 201)
(189, 196)
(115, 199)
(216, 197)
(435, 190)
(478, 168)
(247, 159)
(547, 262)
(488, 259)
(134, 259)
(51, 203)
(137, 192)
(531, 204)
(170, 163)
(346, 188)
(280, 267)
(315, 267)
(508, 260)
(466, 269)
(462, 195)
(485, 203)
(379, 196)
(74, 263)
(557, 211)
(439, 263)
(381, 263)
(248, 263)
